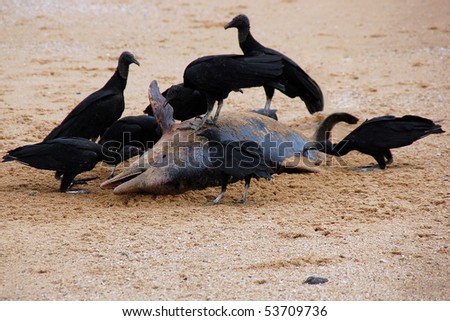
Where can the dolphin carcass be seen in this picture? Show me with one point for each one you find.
(174, 164)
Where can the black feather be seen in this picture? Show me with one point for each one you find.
(235, 160)
(68, 156)
(297, 83)
(376, 136)
(90, 118)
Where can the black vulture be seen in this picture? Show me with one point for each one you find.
(235, 159)
(91, 117)
(296, 81)
(216, 76)
(68, 156)
(375, 137)
(323, 131)
(128, 137)
(187, 103)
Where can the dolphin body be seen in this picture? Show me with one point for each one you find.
(175, 163)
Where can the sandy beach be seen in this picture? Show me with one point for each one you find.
(380, 235)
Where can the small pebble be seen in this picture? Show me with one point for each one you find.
(315, 280)
(33, 193)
